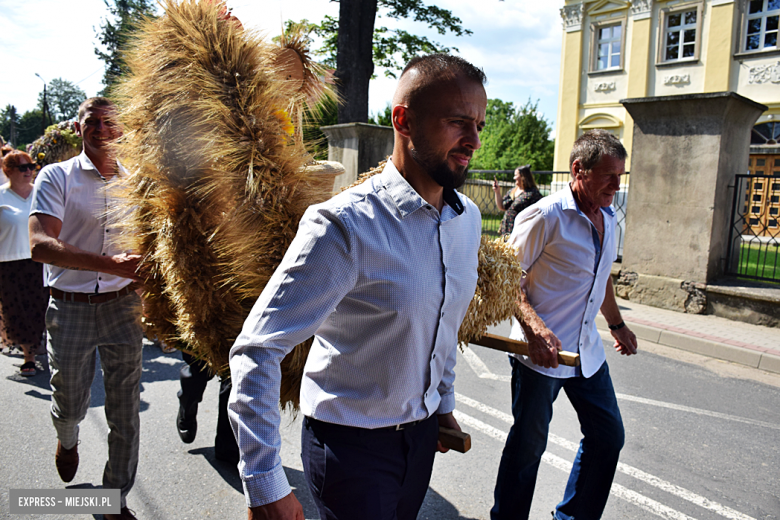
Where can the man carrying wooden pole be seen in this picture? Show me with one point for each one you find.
(381, 275)
(566, 243)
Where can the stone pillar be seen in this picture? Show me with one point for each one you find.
(359, 147)
(686, 151)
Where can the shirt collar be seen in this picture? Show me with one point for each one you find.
(85, 163)
(568, 202)
(406, 199)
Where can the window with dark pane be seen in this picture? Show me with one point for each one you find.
(761, 29)
(608, 47)
(680, 35)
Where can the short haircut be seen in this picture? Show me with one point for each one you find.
(434, 68)
(98, 101)
(591, 146)
(14, 159)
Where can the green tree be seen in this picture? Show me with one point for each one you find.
(114, 35)
(384, 117)
(9, 124)
(353, 45)
(63, 98)
(29, 128)
(514, 136)
(323, 114)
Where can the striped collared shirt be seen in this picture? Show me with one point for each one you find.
(382, 281)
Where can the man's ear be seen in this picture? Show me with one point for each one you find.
(400, 118)
(576, 169)
(77, 125)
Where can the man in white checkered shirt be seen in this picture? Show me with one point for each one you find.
(381, 275)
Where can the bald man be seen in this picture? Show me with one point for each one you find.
(381, 275)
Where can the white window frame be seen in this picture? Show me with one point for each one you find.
(596, 27)
(663, 31)
(763, 16)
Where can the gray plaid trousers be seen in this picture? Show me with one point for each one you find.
(75, 331)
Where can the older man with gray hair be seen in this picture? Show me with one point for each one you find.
(566, 243)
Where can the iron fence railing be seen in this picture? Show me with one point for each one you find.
(754, 234)
(481, 192)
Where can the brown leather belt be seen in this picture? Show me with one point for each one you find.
(92, 299)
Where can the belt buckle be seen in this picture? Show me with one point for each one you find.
(89, 298)
(399, 427)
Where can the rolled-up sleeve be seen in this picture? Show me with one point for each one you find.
(315, 274)
(49, 194)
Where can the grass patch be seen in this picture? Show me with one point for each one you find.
(760, 260)
(490, 224)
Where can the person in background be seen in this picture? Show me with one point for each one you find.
(23, 297)
(4, 150)
(523, 194)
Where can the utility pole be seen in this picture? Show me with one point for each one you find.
(45, 107)
(12, 137)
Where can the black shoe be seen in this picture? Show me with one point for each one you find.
(187, 424)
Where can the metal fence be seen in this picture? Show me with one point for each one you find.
(481, 192)
(754, 234)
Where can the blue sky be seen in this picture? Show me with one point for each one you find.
(516, 42)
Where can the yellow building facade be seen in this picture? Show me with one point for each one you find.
(615, 49)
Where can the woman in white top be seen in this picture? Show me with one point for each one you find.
(23, 298)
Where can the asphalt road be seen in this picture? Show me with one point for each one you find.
(702, 442)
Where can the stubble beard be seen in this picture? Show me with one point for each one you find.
(437, 169)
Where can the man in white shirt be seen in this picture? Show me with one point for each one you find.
(381, 275)
(566, 243)
(93, 305)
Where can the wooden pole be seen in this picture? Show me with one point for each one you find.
(513, 346)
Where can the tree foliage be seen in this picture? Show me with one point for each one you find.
(115, 33)
(27, 126)
(389, 48)
(392, 48)
(383, 117)
(514, 136)
(63, 98)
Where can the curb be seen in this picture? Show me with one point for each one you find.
(705, 347)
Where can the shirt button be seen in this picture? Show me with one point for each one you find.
(427, 206)
(586, 322)
(433, 356)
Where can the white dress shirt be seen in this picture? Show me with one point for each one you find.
(382, 281)
(567, 276)
(14, 234)
(74, 192)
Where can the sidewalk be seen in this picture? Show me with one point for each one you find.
(735, 341)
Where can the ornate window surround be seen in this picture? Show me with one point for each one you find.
(740, 50)
(664, 14)
(594, 47)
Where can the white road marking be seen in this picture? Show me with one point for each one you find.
(619, 491)
(697, 411)
(481, 369)
(623, 468)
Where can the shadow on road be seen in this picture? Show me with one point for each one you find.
(436, 507)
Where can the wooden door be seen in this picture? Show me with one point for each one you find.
(762, 196)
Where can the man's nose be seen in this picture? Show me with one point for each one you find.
(471, 139)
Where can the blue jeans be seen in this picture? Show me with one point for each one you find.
(591, 476)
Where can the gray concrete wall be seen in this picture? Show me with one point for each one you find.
(359, 147)
(686, 151)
